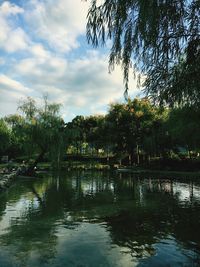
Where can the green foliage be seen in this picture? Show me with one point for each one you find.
(140, 130)
(5, 137)
(39, 131)
(129, 128)
(94, 131)
(132, 123)
(152, 37)
(135, 131)
(76, 132)
(184, 127)
(16, 125)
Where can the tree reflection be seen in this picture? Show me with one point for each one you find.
(136, 213)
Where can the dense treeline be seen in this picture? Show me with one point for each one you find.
(139, 131)
(135, 132)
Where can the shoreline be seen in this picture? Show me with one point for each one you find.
(159, 172)
(7, 179)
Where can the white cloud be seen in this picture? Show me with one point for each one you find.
(16, 40)
(58, 23)
(81, 84)
(10, 84)
(11, 92)
(41, 70)
(12, 38)
(39, 51)
(7, 9)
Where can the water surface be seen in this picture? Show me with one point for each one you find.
(87, 219)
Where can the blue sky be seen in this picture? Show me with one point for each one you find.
(43, 50)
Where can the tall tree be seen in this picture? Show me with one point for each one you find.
(5, 137)
(76, 133)
(93, 130)
(16, 124)
(184, 128)
(43, 129)
(130, 125)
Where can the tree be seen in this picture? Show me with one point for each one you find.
(118, 127)
(152, 37)
(93, 126)
(43, 130)
(5, 137)
(184, 127)
(15, 124)
(76, 133)
(130, 125)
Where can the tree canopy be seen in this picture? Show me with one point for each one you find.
(160, 40)
(39, 131)
(133, 132)
(5, 136)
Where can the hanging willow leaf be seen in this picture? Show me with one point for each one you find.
(152, 37)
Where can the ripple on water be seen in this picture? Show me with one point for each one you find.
(97, 219)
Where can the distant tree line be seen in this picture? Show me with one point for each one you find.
(139, 131)
(136, 130)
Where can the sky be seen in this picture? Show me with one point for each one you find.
(44, 51)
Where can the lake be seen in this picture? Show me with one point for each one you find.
(87, 219)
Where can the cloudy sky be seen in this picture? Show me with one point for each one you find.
(43, 50)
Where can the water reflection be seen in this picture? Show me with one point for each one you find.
(100, 219)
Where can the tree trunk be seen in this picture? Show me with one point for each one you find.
(129, 159)
(138, 156)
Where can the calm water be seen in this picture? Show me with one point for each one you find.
(93, 219)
